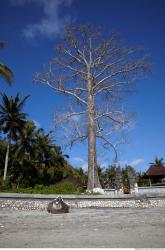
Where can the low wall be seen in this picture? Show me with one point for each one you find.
(40, 202)
(109, 191)
(141, 190)
(152, 189)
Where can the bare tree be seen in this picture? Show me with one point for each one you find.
(97, 74)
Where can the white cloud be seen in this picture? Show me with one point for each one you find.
(123, 163)
(79, 162)
(82, 163)
(52, 23)
(136, 162)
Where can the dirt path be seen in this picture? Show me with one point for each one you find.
(83, 228)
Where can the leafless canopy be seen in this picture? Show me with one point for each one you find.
(97, 73)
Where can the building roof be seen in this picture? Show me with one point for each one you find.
(155, 171)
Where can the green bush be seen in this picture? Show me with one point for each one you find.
(143, 183)
(5, 185)
(63, 188)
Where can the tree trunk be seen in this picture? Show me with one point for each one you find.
(6, 161)
(96, 179)
(93, 180)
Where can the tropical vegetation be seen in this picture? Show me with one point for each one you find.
(34, 160)
(5, 71)
(12, 120)
(158, 162)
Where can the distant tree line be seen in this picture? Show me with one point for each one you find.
(113, 176)
(116, 177)
(28, 155)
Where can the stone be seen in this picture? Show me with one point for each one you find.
(118, 182)
(132, 179)
(58, 206)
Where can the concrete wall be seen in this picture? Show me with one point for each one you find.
(141, 190)
(27, 204)
(40, 201)
(151, 189)
(109, 191)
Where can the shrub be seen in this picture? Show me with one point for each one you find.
(63, 188)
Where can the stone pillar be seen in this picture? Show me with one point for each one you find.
(132, 179)
(118, 181)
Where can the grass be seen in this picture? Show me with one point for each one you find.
(64, 188)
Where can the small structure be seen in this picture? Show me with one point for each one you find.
(118, 181)
(132, 179)
(58, 206)
(155, 174)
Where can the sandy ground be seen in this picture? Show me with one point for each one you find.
(88, 227)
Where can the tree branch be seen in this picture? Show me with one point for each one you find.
(108, 143)
(113, 86)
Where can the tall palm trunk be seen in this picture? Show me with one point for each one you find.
(93, 180)
(6, 160)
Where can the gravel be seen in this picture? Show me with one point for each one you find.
(41, 205)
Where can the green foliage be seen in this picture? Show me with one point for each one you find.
(5, 185)
(110, 179)
(3, 146)
(124, 177)
(5, 72)
(12, 119)
(64, 188)
(106, 176)
(158, 162)
(143, 182)
(34, 159)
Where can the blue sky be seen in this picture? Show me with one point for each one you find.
(32, 28)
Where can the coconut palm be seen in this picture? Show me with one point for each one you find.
(2, 155)
(44, 148)
(12, 120)
(5, 72)
(158, 162)
(27, 141)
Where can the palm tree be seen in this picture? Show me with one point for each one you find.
(5, 72)
(27, 141)
(45, 148)
(2, 154)
(12, 121)
(158, 162)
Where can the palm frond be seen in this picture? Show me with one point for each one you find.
(6, 73)
(21, 104)
(11, 116)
